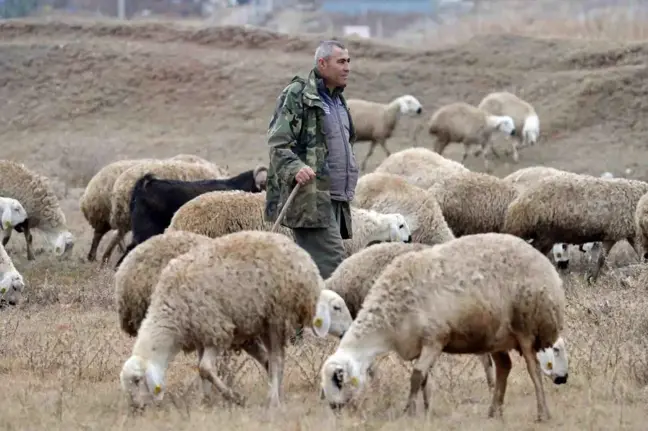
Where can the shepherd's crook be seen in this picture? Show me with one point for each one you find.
(282, 213)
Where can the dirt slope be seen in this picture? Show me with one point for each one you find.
(84, 93)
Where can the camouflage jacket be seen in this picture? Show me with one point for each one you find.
(296, 139)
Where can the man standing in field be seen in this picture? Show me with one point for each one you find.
(310, 138)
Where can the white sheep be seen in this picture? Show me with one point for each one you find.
(523, 114)
(223, 294)
(375, 122)
(484, 293)
(218, 213)
(464, 123)
(389, 193)
(123, 189)
(44, 213)
(355, 276)
(419, 166)
(577, 210)
(12, 284)
(12, 213)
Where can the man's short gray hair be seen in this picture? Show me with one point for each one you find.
(325, 49)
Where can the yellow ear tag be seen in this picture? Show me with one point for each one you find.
(317, 322)
(7, 224)
(549, 365)
(157, 389)
(354, 382)
(3, 290)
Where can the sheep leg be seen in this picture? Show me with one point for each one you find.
(257, 350)
(6, 236)
(274, 340)
(96, 239)
(383, 144)
(514, 146)
(592, 275)
(28, 241)
(372, 146)
(503, 367)
(533, 367)
(112, 244)
(488, 369)
(206, 370)
(427, 358)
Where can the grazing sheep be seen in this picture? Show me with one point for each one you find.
(11, 281)
(473, 202)
(523, 114)
(352, 280)
(484, 293)
(577, 210)
(463, 123)
(419, 166)
(641, 226)
(389, 193)
(12, 213)
(123, 190)
(95, 201)
(375, 122)
(154, 200)
(215, 214)
(44, 213)
(223, 294)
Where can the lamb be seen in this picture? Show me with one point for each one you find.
(375, 122)
(577, 210)
(44, 213)
(123, 188)
(419, 166)
(12, 213)
(12, 284)
(473, 202)
(483, 293)
(95, 202)
(154, 200)
(464, 123)
(389, 193)
(226, 293)
(523, 114)
(353, 279)
(218, 213)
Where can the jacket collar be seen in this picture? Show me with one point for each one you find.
(311, 95)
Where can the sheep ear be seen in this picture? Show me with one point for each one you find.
(154, 382)
(322, 320)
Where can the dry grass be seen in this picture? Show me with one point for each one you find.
(61, 350)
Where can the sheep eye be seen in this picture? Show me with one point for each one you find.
(556, 349)
(401, 226)
(337, 308)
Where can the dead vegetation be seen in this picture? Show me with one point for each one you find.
(79, 95)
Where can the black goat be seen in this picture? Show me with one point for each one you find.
(154, 201)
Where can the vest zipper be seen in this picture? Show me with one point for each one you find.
(338, 104)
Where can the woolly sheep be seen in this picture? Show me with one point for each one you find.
(12, 213)
(139, 273)
(375, 122)
(464, 123)
(123, 189)
(484, 293)
(473, 202)
(523, 114)
(419, 166)
(11, 281)
(353, 279)
(44, 213)
(219, 171)
(641, 227)
(220, 295)
(388, 193)
(576, 210)
(218, 213)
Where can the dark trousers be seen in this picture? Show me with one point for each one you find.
(324, 244)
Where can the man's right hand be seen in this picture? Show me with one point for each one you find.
(304, 175)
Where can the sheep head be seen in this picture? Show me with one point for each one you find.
(409, 105)
(260, 174)
(11, 287)
(531, 130)
(554, 362)
(13, 213)
(63, 243)
(503, 123)
(332, 315)
(139, 373)
(341, 379)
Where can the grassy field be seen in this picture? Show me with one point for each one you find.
(77, 96)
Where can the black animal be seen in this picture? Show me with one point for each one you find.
(154, 200)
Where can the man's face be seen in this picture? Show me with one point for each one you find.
(335, 69)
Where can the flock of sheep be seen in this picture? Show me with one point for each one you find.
(442, 260)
